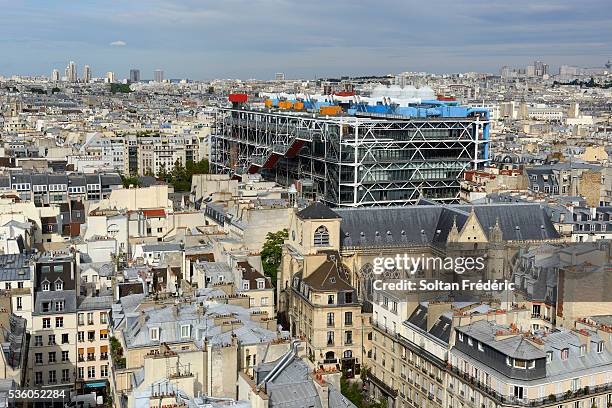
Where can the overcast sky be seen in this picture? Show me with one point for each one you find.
(204, 39)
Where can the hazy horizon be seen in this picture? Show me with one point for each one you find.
(254, 39)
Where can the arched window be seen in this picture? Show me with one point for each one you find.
(366, 282)
(321, 236)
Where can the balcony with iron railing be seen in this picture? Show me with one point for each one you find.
(552, 399)
(382, 385)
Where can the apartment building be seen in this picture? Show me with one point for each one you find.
(477, 184)
(52, 359)
(48, 189)
(151, 154)
(93, 342)
(109, 149)
(407, 361)
(412, 342)
(568, 179)
(16, 272)
(496, 365)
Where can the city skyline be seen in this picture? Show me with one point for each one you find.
(205, 40)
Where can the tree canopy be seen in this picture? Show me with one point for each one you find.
(180, 176)
(122, 88)
(127, 181)
(272, 252)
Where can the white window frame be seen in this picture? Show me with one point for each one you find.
(154, 333)
(185, 331)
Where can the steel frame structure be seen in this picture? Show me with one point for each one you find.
(352, 161)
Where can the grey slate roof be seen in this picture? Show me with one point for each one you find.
(14, 267)
(425, 224)
(102, 268)
(202, 322)
(515, 346)
(397, 226)
(95, 302)
(317, 211)
(592, 362)
(68, 296)
(162, 247)
(292, 386)
(532, 221)
(441, 329)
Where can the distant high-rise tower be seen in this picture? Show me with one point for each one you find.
(55, 75)
(134, 75)
(110, 77)
(158, 75)
(279, 76)
(71, 72)
(540, 68)
(86, 74)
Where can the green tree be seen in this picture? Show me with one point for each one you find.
(352, 392)
(272, 252)
(163, 173)
(121, 88)
(180, 176)
(130, 180)
(201, 167)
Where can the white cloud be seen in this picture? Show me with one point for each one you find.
(118, 43)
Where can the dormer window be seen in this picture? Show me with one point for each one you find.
(154, 333)
(549, 356)
(460, 336)
(261, 284)
(59, 285)
(321, 236)
(582, 350)
(600, 347)
(185, 331)
(46, 286)
(245, 285)
(522, 364)
(565, 354)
